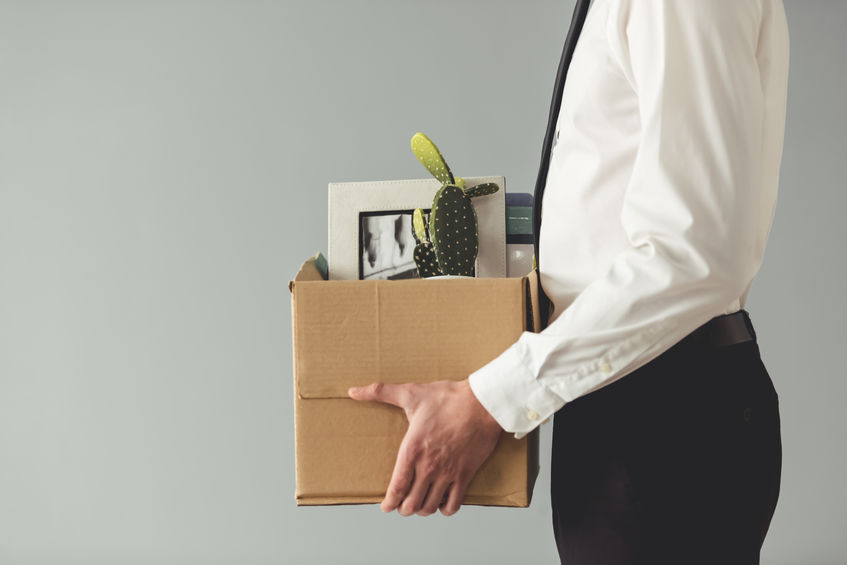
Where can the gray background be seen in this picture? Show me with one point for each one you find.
(163, 172)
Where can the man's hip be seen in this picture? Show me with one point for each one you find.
(677, 462)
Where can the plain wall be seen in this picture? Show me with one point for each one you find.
(163, 172)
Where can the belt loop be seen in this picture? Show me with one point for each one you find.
(749, 323)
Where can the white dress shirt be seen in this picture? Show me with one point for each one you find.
(660, 193)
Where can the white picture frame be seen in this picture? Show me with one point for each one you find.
(348, 201)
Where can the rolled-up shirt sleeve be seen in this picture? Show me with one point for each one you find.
(686, 211)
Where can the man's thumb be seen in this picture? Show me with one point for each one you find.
(378, 392)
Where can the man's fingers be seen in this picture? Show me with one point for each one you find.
(416, 496)
(435, 498)
(381, 392)
(454, 498)
(401, 480)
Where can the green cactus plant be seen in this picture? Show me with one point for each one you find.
(453, 228)
(424, 254)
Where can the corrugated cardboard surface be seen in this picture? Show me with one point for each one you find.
(350, 333)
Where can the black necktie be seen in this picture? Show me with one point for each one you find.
(577, 20)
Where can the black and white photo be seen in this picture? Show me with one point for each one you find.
(387, 245)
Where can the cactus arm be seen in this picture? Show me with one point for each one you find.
(481, 189)
(419, 225)
(460, 182)
(425, 260)
(428, 154)
(424, 254)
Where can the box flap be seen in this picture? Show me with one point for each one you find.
(349, 333)
(313, 269)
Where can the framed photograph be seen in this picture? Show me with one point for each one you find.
(387, 244)
(371, 235)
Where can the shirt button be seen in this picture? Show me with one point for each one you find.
(606, 368)
(532, 415)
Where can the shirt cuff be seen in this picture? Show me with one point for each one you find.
(511, 393)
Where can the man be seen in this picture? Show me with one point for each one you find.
(661, 190)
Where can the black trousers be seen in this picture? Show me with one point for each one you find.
(678, 462)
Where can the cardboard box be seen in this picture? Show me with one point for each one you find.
(348, 333)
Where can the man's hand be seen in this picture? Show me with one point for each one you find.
(450, 436)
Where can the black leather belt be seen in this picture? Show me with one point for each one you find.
(726, 329)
